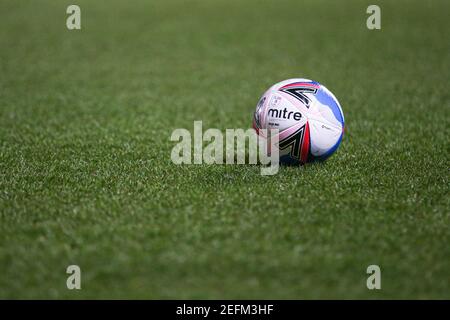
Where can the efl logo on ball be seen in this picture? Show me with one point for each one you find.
(308, 116)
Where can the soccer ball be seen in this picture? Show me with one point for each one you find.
(308, 116)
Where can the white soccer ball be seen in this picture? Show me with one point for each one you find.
(308, 116)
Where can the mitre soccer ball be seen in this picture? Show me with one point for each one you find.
(308, 116)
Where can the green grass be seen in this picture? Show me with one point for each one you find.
(86, 176)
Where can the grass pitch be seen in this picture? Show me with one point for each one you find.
(86, 176)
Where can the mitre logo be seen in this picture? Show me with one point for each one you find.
(284, 114)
